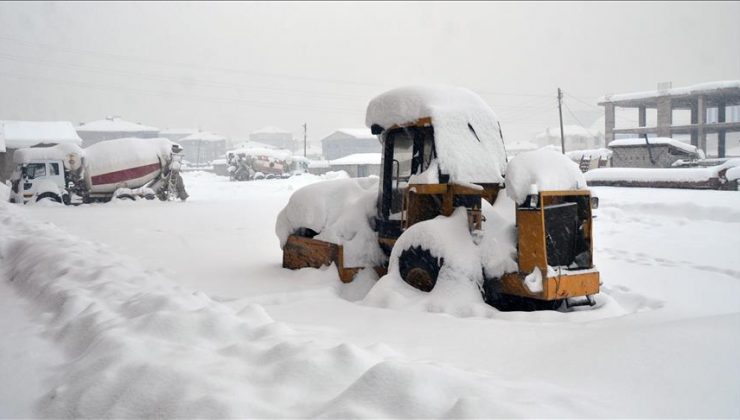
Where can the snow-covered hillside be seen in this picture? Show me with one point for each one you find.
(181, 309)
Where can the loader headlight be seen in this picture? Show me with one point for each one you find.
(594, 203)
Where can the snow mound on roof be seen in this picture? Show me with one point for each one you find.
(726, 169)
(358, 159)
(466, 154)
(655, 141)
(545, 168)
(114, 124)
(358, 133)
(19, 134)
(341, 211)
(203, 136)
(279, 154)
(601, 153)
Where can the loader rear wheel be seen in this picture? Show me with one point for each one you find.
(419, 268)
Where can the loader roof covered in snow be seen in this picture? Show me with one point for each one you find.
(467, 135)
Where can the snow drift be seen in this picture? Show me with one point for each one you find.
(137, 345)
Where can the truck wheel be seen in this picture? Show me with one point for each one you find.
(419, 268)
(50, 195)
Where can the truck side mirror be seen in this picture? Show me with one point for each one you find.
(594, 203)
(375, 129)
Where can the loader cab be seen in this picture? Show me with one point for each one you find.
(406, 151)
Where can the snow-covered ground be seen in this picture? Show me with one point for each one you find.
(181, 309)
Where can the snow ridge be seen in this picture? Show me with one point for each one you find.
(139, 346)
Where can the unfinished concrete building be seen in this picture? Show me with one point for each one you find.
(697, 99)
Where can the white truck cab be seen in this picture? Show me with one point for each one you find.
(39, 179)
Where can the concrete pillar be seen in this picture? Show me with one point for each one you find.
(641, 116)
(701, 114)
(665, 116)
(694, 120)
(609, 122)
(721, 108)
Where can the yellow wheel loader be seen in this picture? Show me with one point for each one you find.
(442, 150)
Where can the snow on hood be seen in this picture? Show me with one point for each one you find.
(545, 168)
(340, 211)
(466, 131)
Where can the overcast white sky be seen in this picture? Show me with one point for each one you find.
(235, 67)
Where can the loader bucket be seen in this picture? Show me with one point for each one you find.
(302, 252)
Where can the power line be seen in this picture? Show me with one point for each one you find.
(181, 65)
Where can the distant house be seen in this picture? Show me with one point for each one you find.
(202, 147)
(19, 134)
(113, 128)
(274, 137)
(175, 134)
(657, 152)
(348, 141)
(357, 165)
(576, 138)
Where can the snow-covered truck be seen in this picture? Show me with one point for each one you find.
(438, 208)
(126, 168)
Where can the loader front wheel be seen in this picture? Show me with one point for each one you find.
(419, 268)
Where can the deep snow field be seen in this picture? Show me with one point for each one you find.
(182, 309)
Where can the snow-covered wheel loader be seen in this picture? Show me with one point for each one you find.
(443, 168)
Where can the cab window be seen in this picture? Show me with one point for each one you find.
(53, 169)
(35, 170)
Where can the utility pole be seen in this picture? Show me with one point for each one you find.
(305, 128)
(560, 111)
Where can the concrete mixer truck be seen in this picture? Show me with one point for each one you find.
(127, 168)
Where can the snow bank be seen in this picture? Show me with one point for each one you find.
(547, 169)
(666, 174)
(340, 211)
(137, 345)
(466, 131)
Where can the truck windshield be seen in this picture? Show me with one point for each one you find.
(35, 170)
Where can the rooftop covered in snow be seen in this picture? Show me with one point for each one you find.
(727, 91)
(19, 134)
(115, 124)
(654, 142)
(203, 136)
(358, 159)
